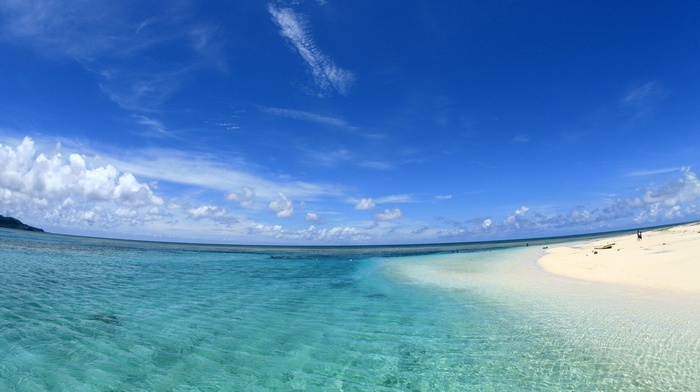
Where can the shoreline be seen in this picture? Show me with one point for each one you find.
(664, 259)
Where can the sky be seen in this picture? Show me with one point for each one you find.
(333, 122)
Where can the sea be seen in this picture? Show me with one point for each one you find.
(89, 314)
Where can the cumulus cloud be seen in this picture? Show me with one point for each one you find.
(130, 191)
(282, 207)
(683, 190)
(326, 74)
(517, 219)
(68, 192)
(259, 228)
(58, 179)
(365, 204)
(125, 212)
(517, 216)
(341, 235)
(338, 234)
(206, 211)
(388, 215)
(243, 198)
(671, 200)
(312, 217)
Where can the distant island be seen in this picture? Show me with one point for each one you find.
(12, 223)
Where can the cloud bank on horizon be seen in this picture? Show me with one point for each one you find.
(330, 123)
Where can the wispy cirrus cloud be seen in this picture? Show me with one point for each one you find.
(644, 94)
(520, 139)
(639, 102)
(307, 116)
(652, 172)
(395, 199)
(113, 39)
(369, 203)
(154, 128)
(327, 76)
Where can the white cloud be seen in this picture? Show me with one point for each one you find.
(673, 213)
(668, 200)
(369, 203)
(326, 75)
(640, 102)
(206, 211)
(377, 165)
(329, 158)
(125, 213)
(156, 128)
(245, 198)
(340, 234)
(644, 94)
(200, 171)
(131, 191)
(365, 204)
(58, 178)
(388, 215)
(443, 197)
(307, 116)
(640, 173)
(395, 199)
(682, 190)
(520, 138)
(517, 218)
(260, 228)
(487, 223)
(282, 207)
(312, 217)
(103, 39)
(68, 192)
(521, 211)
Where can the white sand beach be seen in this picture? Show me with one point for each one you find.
(664, 259)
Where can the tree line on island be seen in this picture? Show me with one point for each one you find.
(12, 223)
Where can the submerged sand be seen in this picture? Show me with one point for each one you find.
(630, 311)
(664, 259)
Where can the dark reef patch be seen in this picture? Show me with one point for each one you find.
(106, 318)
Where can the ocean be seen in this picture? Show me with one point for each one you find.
(87, 314)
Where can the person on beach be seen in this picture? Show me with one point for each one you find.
(639, 235)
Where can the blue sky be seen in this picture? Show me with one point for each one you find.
(327, 122)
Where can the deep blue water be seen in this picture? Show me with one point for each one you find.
(85, 314)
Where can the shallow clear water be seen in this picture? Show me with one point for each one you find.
(85, 314)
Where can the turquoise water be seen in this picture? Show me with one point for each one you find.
(81, 314)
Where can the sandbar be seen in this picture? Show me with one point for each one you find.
(664, 259)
